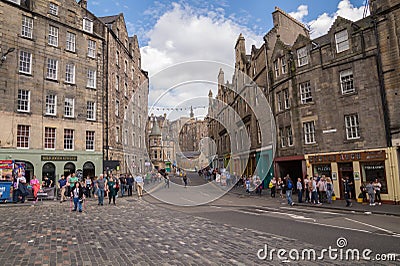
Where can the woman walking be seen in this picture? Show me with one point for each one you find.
(111, 189)
(329, 190)
(78, 196)
(377, 186)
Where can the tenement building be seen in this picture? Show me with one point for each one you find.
(334, 99)
(125, 99)
(57, 85)
(51, 87)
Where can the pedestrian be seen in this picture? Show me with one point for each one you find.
(185, 179)
(62, 184)
(321, 186)
(289, 188)
(306, 190)
(299, 187)
(272, 186)
(247, 183)
(371, 193)
(377, 187)
(329, 190)
(122, 185)
(363, 192)
(166, 180)
(78, 196)
(111, 189)
(314, 192)
(347, 191)
(101, 184)
(140, 184)
(279, 187)
(35, 184)
(129, 182)
(88, 183)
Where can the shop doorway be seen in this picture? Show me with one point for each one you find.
(69, 168)
(88, 170)
(346, 169)
(49, 170)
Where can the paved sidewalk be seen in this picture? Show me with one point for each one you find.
(385, 209)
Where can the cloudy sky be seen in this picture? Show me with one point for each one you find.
(173, 32)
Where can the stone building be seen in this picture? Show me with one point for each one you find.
(126, 97)
(334, 99)
(191, 133)
(51, 87)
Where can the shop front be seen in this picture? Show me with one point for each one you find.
(294, 166)
(52, 164)
(361, 167)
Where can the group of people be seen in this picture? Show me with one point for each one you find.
(106, 185)
(318, 190)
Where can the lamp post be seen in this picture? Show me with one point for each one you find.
(4, 55)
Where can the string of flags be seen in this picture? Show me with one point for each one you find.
(158, 108)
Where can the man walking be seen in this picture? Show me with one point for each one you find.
(139, 183)
(347, 191)
(101, 183)
(289, 188)
(62, 183)
(129, 182)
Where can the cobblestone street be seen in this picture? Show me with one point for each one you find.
(134, 232)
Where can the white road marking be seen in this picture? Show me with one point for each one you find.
(246, 212)
(370, 225)
(294, 216)
(187, 199)
(314, 211)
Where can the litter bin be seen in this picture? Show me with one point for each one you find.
(5, 189)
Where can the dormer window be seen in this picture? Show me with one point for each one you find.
(342, 41)
(88, 25)
(302, 57)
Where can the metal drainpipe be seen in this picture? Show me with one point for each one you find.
(106, 98)
(382, 87)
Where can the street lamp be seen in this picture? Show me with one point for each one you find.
(4, 55)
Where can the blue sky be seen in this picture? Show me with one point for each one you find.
(172, 32)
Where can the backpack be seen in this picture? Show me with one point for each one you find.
(289, 185)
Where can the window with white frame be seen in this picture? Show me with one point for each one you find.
(283, 65)
(23, 135)
(52, 65)
(276, 68)
(282, 137)
(68, 139)
(286, 98)
(347, 82)
(309, 132)
(126, 67)
(352, 126)
(126, 89)
(289, 135)
(49, 138)
(51, 104)
(117, 138)
(342, 41)
(302, 57)
(53, 36)
(140, 121)
(117, 58)
(53, 9)
(91, 48)
(90, 140)
(91, 78)
(133, 139)
(69, 107)
(90, 110)
(279, 101)
(117, 83)
(27, 27)
(125, 137)
(125, 112)
(133, 118)
(116, 107)
(25, 62)
(70, 42)
(70, 73)
(258, 132)
(305, 92)
(24, 101)
(133, 74)
(88, 25)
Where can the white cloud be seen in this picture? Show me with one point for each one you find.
(322, 24)
(301, 12)
(184, 34)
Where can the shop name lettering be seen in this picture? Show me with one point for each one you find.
(59, 158)
(357, 156)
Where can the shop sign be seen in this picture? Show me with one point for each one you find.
(58, 158)
(348, 157)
